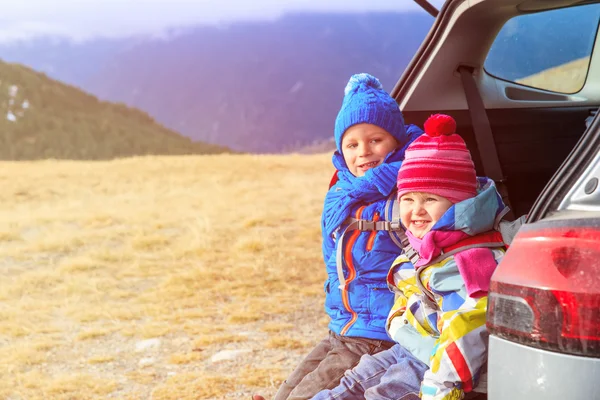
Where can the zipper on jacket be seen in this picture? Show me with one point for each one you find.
(372, 235)
(351, 273)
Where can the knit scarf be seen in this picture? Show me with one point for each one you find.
(475, 266)
(377, 184)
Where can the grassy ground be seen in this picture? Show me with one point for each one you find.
(203, 253)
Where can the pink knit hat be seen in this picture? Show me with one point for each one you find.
(438, 162)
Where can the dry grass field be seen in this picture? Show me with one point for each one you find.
(125, 279)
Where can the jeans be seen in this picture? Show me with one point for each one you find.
(325, 365)
(393, 374)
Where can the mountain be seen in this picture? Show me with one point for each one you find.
(317, 147)
(43, 118)
(265, 86)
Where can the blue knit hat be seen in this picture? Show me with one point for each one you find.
(365, 101)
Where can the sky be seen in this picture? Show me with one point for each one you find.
(85, 19)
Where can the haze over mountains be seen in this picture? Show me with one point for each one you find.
(252, 86)
(266, 86)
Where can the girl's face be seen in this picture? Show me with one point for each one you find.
(365, 146)
(420, 211)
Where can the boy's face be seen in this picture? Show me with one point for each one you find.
(365, 146)
(420, 211)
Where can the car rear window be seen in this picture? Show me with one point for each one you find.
(549, 50)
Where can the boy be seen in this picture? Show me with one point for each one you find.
(371, 137)
(438, 319)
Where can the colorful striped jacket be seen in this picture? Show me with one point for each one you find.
(440, 307)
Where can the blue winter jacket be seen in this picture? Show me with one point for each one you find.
(359, 302)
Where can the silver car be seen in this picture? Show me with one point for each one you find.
(522, 79)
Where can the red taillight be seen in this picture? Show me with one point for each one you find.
(546, 291)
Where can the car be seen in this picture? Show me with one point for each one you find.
(522, 80)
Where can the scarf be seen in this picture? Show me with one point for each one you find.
(377, 184)
(475, 266)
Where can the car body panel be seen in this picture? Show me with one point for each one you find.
(543, 151)
(518, 372)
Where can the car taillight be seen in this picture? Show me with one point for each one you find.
(546, 291)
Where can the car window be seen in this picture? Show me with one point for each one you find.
(548, 50)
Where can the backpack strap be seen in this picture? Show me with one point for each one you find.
(486, 239)
(334, 179)
(490, 239)
(339, 251)
(398, 236)
(390, 223)
(362, 225)
(509, 229)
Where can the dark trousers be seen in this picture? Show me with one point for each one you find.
(324, 366)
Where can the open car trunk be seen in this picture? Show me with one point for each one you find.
(533, 129)
(521, 77)
(531, 144)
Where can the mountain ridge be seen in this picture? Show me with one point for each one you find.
(44, 118)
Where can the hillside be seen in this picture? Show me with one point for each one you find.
(42, 118)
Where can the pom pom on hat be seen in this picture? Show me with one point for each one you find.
(368, 81)
(440, 125)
